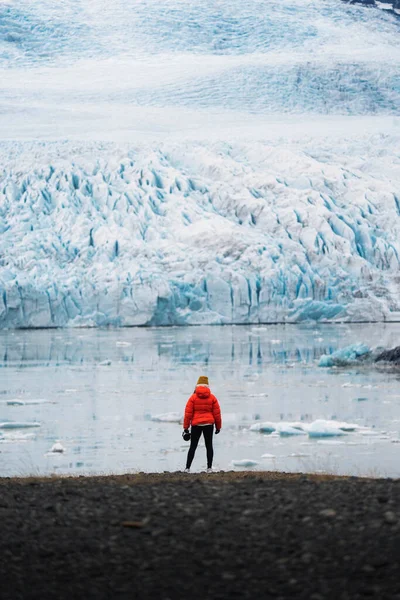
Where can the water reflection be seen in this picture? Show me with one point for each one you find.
(204, 345)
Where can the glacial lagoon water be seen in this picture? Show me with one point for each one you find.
(100, 393)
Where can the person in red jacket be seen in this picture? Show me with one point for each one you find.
(202, 412)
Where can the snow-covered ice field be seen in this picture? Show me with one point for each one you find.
(173, 162)
(111, 401)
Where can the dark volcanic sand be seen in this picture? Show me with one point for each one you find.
(224, 535)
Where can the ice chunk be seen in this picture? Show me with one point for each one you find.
(57, 448)
(321, 428)
(268, 455)
(265, 427)
(288, 429)
(345, 356)
(282, 428)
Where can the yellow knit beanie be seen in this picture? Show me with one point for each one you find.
(202, 380)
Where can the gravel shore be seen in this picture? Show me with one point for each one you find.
(222, 535)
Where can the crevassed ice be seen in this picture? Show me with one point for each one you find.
(239, 233)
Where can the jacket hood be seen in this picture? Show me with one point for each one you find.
(202, 391)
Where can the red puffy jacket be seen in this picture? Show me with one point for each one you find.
(202, 408)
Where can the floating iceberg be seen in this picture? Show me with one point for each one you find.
(322, 428)
(345, 356)
(359, 353)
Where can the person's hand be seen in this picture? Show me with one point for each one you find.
(217, 431)
(186, 431)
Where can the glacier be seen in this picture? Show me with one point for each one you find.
(171, 164)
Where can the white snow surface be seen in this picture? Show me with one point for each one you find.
(173, 163)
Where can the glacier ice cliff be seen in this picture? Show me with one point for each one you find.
(198, 233)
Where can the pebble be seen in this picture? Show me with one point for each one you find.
(390, 517)
(328, 512)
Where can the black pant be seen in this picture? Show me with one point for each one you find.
(196, 431)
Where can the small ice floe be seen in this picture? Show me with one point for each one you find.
(17, 402)
(16, 436)
(245, 462)
(105, 363)
(322, 428)
(18, 424)
(370, 433)
(57, 448)
(395, 440)
(123, 344)
(276, 341)
(170, 417)
(282, 428)
(268, 456)
(298, 455)
(348, 384)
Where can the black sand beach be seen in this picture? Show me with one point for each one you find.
(223, 535)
